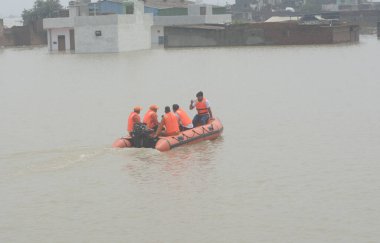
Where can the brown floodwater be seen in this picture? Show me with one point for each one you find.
(298, 160)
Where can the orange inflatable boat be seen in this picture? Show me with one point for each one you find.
(142, 139)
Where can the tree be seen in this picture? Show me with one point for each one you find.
(42, 9)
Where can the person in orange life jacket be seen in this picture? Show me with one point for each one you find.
(134, 118)
(170, 122)
(185, 123)
(150, 118)
(203, 108)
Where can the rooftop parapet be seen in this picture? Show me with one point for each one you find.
(52, 23)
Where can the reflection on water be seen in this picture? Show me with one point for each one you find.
(175, 162)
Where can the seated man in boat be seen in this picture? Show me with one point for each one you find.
(170, 122)
(203, 108)
(185, 122)
(134, 118)
(150, 118)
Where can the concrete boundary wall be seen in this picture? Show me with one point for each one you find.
(289, 33)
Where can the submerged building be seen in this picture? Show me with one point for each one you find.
(303, 31)
(108, 25)
(187, 15)
(84, 31)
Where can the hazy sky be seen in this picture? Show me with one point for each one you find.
(15, 7)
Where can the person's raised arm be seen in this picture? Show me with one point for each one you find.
(191, 105)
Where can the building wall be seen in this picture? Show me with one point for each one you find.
(259, 34)
(134, 32)
(161, 21)
(347, 2)
(295, 34)
(172, 12)
(195, 9)
(103, 33)
(52, 36)
(157, 33)
(330, 7)
(191, 20)
(153, 11)
(7, 38)
(219, 10)
(218, 19)
(342, 34)
(187, 37)
(364, 18)
(56, 23)
(2, 40)
(22, 36)
(86, 40)
(37, 33)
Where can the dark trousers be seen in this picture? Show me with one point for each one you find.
(200, 120)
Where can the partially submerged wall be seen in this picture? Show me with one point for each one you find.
(32, 34)
(288, 33)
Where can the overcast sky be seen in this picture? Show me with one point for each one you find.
(15, 7)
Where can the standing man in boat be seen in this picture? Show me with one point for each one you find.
(203, 108)
(134, 118)
(170, 122)
(150, 118)
(185, 123)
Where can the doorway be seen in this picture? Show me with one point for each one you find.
(61, 43)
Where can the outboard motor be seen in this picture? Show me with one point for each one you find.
(141, 136)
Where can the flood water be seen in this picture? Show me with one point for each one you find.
(299, 160)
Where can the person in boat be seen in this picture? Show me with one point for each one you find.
(185, 123)
(150, 118)
(170, 122)
(134, 118)
(203, 108)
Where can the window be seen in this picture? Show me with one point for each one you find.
(203, 10)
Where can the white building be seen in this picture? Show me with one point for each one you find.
(198, 14)
(339, 5)
(81, 33)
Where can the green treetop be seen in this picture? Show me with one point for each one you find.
(42, 9)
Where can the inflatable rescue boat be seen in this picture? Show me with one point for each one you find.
(141, 137)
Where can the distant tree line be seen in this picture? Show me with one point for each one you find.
(42, 9)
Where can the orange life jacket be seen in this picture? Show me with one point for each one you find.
(149, 121)
(131, 123)
(201, 107)
(171, 123)
(185, 119)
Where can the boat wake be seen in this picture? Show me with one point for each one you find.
(30, 162)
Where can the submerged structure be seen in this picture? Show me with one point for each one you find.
(117, 26)
(299, 31)
(85, 33)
